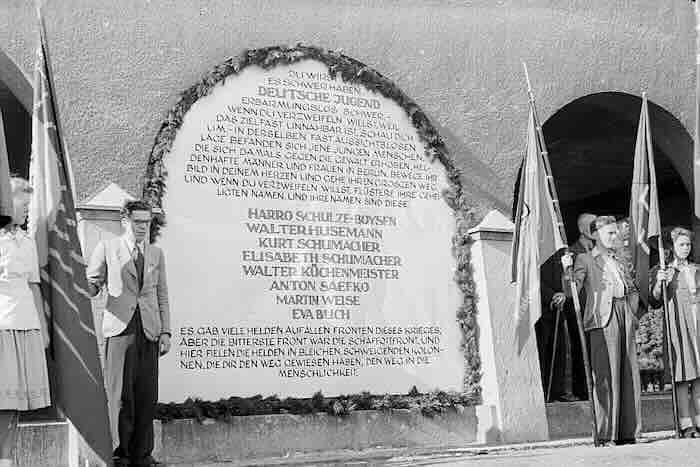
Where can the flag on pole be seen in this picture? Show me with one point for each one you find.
(6, 206)
(537, 235)
(78, 385)
(696, 145)
(644, 203)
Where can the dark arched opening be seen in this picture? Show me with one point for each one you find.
(16, 105)
(591, 144)
(17, 128)
(591, 148)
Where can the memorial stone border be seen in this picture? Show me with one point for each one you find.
(355, 72)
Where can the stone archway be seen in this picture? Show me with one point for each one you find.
(591, 146)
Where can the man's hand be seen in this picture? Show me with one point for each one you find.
(92, 289)
(567, 261)
(164, 344)
(664, 275)
(557, 300)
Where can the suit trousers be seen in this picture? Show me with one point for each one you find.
(616, 382)
(579, 385)
(132, 383)
(544, 330)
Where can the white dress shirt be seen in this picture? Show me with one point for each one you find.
(19, 265)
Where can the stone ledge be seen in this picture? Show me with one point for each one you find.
(572, 419)
(266, 436)
(43, 444)
(252, 438)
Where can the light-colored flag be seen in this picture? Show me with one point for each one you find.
(537, 235)
(77, 385)
(644, 202)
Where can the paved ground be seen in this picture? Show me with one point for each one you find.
(655, 450)
(668, 453)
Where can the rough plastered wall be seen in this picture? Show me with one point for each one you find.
(120, 65)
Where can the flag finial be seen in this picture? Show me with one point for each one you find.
(527, 78)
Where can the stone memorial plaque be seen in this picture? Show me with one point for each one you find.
(308, 245)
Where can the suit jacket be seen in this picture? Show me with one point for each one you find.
(577, 248)
(550, 282)
(112, 265)
(590, 273)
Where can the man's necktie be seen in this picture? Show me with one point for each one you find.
(138, 261)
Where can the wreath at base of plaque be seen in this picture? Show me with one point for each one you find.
(351, 71)
(430, 404)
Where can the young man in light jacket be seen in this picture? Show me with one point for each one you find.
(136, 327)
(610, 321)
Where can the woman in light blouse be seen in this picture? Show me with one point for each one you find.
(681, 277)
(24, 383)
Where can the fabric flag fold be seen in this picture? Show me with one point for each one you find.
(78, 385)
(644, 202)
(537, 235)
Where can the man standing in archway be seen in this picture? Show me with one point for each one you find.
(611, 302)
(583, 244)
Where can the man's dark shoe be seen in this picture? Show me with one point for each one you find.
(622, 442)
(121, 461)
(147, 462)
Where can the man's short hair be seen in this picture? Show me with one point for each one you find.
(134, 205)
(20, 185)
(600, 222)
(681, 232)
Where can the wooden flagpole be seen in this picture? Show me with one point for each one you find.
(662, 265)
(557, 323)
(569, 272)
(669, 344)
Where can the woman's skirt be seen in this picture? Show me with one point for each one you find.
(24, 379)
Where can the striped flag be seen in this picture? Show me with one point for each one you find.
(78, 385)
(644, 203)
(537, 234)
(6, 206)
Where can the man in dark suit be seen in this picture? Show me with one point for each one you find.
(552, 299)
(583, 244)
(137, 329)
(610, 322)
